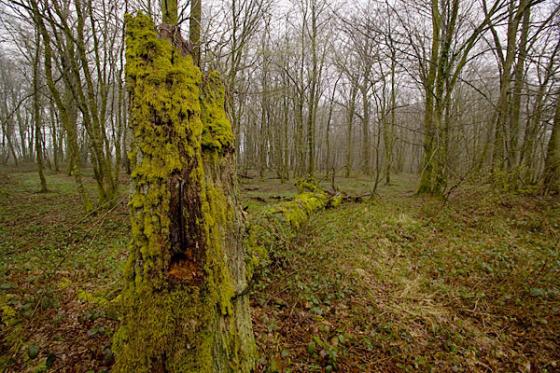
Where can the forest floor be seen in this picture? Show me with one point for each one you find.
(395, 283)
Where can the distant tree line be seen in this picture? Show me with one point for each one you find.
(450, 90)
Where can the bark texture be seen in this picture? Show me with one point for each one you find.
(551, 182)
(186, 269)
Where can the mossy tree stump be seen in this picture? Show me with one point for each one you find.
(186, 270)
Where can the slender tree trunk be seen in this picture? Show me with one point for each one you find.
(263, 136)
(349, 128)
(328, 129)
(23, 128)
(500, 141)
(194, 30)
(389, 128)
(10, 143)
(61, 136)
(519, 75)
(314, 93)
(551, 180)
(299, 140)
(430, 147)
(37, 114)
(8, 131)
(365, 131)
(67, 111)
(534, 121)
(285, 140)
(54, 137)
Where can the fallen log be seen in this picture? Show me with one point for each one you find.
(278, 225)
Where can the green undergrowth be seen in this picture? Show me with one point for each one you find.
(397, 283)
(60, 270)
(404, 283)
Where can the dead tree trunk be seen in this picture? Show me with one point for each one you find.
(184, 305)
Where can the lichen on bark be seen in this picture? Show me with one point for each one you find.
(186, 263)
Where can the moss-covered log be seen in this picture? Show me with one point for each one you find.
(276, 226)
(183, 312)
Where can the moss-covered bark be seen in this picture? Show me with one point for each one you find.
(195, 27)
(186, 266)
(278, 225)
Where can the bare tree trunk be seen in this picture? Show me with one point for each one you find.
(349, 128)
(314, 91)
(365, 131)
(54, 137)
(37, 113)
(389, 128)
(67, 111)
(328, 158)
(299, 140)
(23, 128)
(500, 150)
(8, 131)
(430, 146)
(519, 75)
(194, 30)
(551, 180)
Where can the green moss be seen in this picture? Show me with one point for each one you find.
(278, 225)
(11, 329)
(217, 211)
(163, 316)
(308, 184)
(335, 200)
(172, 322)
(217, 134)
(164, 103)
(164, 116)
(297, 212)
(170, 12)
(88, 297)
(256, 253)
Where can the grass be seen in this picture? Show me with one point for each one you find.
(404, 283)
(52, 256)
(396, 283)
